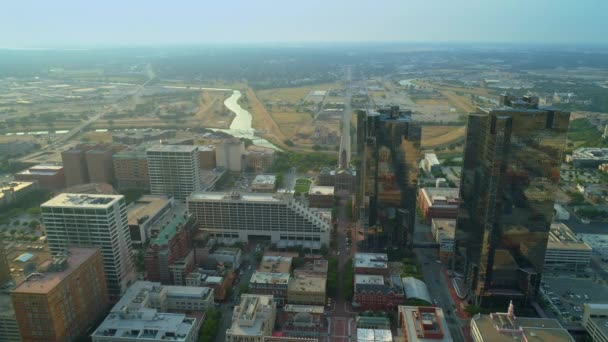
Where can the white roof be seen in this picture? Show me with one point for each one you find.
(415, 288)
(67, 200)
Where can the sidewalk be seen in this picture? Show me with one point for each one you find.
(459, 311)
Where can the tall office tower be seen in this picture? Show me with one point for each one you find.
(509, 179)
(75, 166)
(99, 165)
(229, 154)
(65, 300)
(131, 169)
(277, 217)
(93, 221)
(5, 269)
(388, 147)
(174, 170)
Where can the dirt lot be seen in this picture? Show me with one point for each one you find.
(212, 112)
(293, 94)
(435, 136)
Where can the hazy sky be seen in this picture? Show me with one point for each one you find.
(41, 23)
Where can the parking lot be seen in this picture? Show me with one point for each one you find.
(566, 296)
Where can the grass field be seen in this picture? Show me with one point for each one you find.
(212, 112)
(435, 136)
(101, 137)
(302, 185)
(433, 102)
(293, 94)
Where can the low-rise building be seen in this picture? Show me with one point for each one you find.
(415, 288)
(560, 213)
(306, 290)
(138, 136)
(430, 163)
(49, 177)
(371, 263)
(565, 251)
(344, 182)
(304, 318)
(595, 321)
(374, 335)
(275, 264)
(227, 255)
(375, 292)
(321, 196)
(444, 231)
(144, 213)
(423, 323)
(219, 282)
(438, 203)
(258, 159)
(314, 268)
(14, 191)
(506, 327)
(253, 319)
(264, 183)
(588, 157)
(274, 284)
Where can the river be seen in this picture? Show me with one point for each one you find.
(241, 126)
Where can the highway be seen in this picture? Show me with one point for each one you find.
(345, 140)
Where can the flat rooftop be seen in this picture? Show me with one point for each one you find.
(42, 169)
(70, 200)
(147, 205)
(269, 278)
(307, 284)
(374, 335)
(249, 323)
(598, 309)
(590, 153)
(264, 180)
(425, 323)
(146, 324)
(47, 281)
(229, 197)
(500, 327)
(312, 309)
(439, 196)
(371, 260)
(367, 279)
(321, 190)
(16, 186)
(173, 148)
(446, 227)
(562, 237)
(275, 264)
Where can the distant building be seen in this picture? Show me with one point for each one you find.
(374, 335)
(443, 232)
(253, 319)
(506, 327)
(219, 282)
(14, 191)
(275, 264)
(93, 221)
(423, 323)
(267, 283)
(229, 154)
(258, 159)
(138, 136)
(207, 157)
(9, 329)
(88, 164)
(174, 170)
(49, 177)
(560, 213)
(100, 167)
(5, 268)
(430, 163)
(264, 183)
(321, 196)
(306, 290)
(169, 245)
(438, 203)
(64, 300)
(588, 157)
(371, 263)
(565, 251)
(237, 217)
(595, 321)
(131, 169)
(144, 213)
(227, 255)
(375, 292)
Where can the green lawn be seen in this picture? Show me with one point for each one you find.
(302, 185)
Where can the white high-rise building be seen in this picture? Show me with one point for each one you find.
(93, 221)
(241, 216)
(174, 170)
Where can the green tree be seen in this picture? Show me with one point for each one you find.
(33, 224)
(472, 310)
(244, 287)
(210, 326)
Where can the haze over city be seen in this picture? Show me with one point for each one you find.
(313, 171)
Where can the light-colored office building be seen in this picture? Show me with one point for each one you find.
(565, 251)
(174, 170)
(506, 327)
(443, 231)
(93, 221)
(239, 217)
(264, 183)
(13, 191)
(306, 290)
(595, 321)
(268, 283)
(252, 319)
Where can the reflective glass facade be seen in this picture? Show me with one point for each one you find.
(509, 179)
(388, 148)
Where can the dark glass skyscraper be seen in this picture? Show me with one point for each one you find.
(388, 150)
(509, 179)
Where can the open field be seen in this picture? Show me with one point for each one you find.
(263, 121)
(211, 112)
(101, 137)
(294, 94)
(432, 102)
(448, 87)
(435, 136)
(462, 104)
